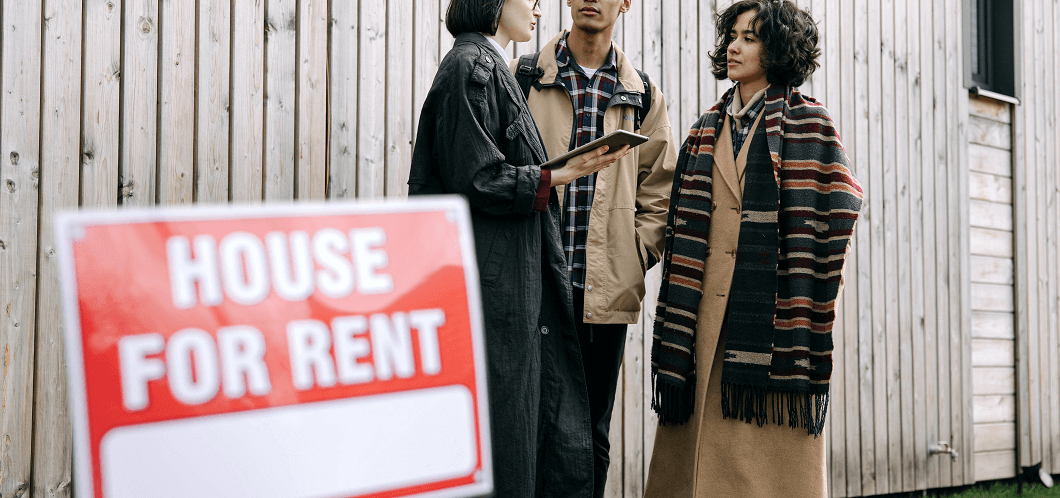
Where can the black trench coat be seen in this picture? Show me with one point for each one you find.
(476, 137)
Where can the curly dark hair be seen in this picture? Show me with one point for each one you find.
(788, 34)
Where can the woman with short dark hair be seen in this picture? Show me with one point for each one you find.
(476, 138)
(761, 217)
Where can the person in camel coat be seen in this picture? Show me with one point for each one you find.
(761, 216)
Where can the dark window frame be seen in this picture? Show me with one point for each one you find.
(990, 53)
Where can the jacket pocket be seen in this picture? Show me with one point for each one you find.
(625, 261)
(521, 135)
(492, 262)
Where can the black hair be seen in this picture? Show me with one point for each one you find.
(788, 35)
(473, 16)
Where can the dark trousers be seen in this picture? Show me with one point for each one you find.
(602, 349)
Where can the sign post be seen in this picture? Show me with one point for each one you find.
(280, 351)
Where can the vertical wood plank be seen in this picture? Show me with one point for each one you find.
(653, 65)
(943, 287)
(213, 101)
(837, 412)
(653, 279)
(652, 45)
(931, 331)
(176, 106)
(1039, 427)
(671, 61)
(876, 221)
(1052, 137)
(549, 24)
(1031, 360)
(565, 19)
(60, 118)
(899, 144)
(278, 157)
(398, 98)
(959, 258)
(445, 39)
(20, 113)
(708, 87)
(689, 67)
(856, 442)
(1022, 275)
(312, 105)
(100, 103)
(344, 30)
(633, 38)
(248, 100)
(425, 54)
(888, 149)
(870, 467)
(371, 107)
(138, 168)
(914, 157)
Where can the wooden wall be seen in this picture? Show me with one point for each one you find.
(902, 339)
(113, 103)
(1035, 184)
(993, 320)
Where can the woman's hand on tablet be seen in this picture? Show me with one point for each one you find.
(586, 164)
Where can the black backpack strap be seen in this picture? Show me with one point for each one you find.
(527, 73)
(645, 101)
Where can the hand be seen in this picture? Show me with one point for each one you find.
(586, 164)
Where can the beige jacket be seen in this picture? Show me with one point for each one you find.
(628, 217)
(710, 456)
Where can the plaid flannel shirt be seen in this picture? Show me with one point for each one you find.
(740, 135)
(590, 97)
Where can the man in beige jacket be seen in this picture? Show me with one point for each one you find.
(581, 87)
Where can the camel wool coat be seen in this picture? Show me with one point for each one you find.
(710, 456)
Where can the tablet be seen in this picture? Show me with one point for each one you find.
(614, 140)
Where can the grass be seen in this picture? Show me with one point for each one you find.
(1009, 490)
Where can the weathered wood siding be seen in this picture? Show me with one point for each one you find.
(1035, 184)
(112, 103)
(993, 321)
(902, 338)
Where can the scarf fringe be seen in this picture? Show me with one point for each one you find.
(757, 404)
(672, 400)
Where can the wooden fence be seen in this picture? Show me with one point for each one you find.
(106, 104)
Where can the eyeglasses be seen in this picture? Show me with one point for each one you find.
(536, 2)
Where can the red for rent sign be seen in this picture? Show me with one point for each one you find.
(299, 351)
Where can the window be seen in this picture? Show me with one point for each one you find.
(990, 53)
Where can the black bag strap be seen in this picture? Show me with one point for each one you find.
(645, 101)
(527, 73)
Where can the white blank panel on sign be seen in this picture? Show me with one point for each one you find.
(296, 451)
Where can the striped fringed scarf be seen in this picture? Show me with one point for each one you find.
(789, 262)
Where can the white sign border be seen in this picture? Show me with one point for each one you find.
(70, 227)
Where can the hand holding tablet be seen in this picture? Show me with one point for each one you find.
(613, 141)
(592, 157)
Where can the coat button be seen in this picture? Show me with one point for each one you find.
(488, 59)
(589, 315)
(623, 98)
(708, 252)
(733, 252)
(589, 288)
(544, 330)
(713, 206)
